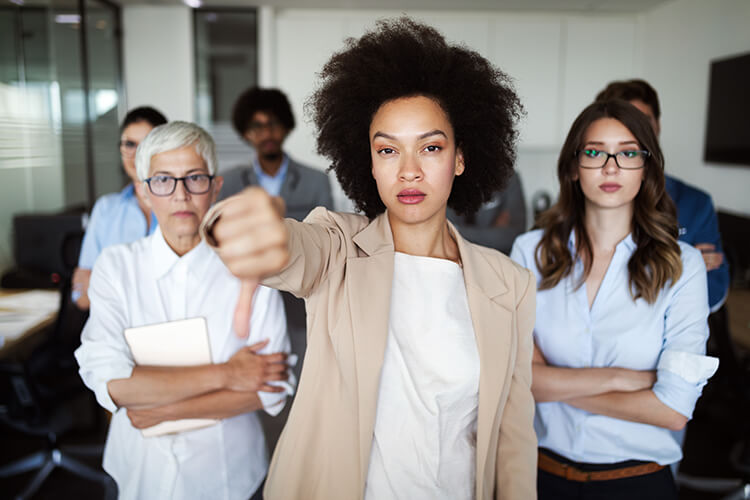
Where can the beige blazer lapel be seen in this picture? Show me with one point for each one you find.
(492, 315)
(369, 294)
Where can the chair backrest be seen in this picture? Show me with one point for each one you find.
(47, 242)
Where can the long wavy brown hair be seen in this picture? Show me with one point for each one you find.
(656, 261)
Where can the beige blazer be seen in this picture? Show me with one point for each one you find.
(342, 264)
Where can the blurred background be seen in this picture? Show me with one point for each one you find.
(70, 70)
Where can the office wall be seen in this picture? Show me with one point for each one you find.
(680, 40)
(559, 61)
(158, 59)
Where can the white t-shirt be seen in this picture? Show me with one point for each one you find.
(424, 444)
(143, 283)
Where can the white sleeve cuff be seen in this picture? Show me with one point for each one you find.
(273, 402)
(693, 368)
(99, 383)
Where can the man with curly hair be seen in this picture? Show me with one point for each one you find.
(417, 377)
(264, 118)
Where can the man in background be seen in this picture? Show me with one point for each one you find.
(263, 117)
(699, 225)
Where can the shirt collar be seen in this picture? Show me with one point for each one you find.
(128, 191)
(165, 259)
(259, 173)
(627, 243)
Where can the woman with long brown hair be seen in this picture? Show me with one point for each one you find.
(621, 316)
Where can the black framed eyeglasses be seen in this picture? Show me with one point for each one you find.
(255, 127)
(630, 159)
(164, 185)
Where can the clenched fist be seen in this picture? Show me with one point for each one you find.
(248, 233)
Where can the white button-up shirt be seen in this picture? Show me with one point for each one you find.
(668, 336)
(143, 283)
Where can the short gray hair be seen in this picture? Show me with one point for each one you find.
(171, 136)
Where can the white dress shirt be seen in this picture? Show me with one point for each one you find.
(668, 336)
(143, 283)
(424, 445)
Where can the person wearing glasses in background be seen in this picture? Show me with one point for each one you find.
(118, 217)
(264, 118)
(620, 334)
(696, 215)
(171, 275)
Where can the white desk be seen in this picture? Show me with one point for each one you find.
(24, 314)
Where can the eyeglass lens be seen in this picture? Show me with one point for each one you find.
(593, 158)
(257, 126)
(164, 185)
(128, 147)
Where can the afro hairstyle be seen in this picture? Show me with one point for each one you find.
(404, 58)
(254, 99)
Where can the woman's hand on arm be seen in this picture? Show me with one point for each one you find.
(150, 386)
(552, 383)
(670, 402)
(217, 405)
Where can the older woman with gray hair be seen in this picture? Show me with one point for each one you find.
(172, 275)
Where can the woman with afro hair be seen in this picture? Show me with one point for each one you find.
(417, 375)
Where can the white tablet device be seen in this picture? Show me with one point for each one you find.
(174, 343)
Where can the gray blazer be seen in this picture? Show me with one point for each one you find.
(480, 228)
(304, 188)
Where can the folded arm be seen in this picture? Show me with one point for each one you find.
(553, 383)
(218, 405)
(150, 386)
(638, 406)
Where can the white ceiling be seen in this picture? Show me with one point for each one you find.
(602, 6)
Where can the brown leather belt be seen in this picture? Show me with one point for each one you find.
(571, 473)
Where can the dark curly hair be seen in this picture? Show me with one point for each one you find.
(254, 99)
(403, 58)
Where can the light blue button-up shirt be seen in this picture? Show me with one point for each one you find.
(116, 218)
(272, 184)
(620, 332)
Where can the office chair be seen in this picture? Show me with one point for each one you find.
(40, 395)
(26, 411)
(739, 381)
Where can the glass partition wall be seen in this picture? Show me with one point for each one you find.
(60, 98)
(226, 63)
